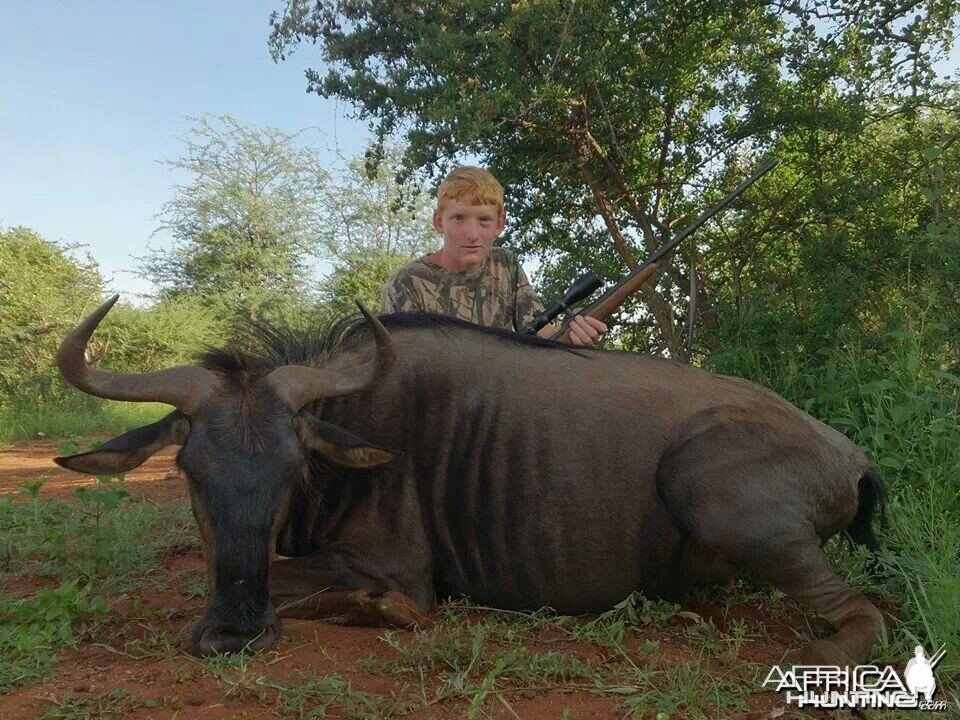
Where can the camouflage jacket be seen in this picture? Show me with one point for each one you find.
(496, 293)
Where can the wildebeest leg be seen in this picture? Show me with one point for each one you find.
(806, 576)
(301, 588)
(794, 562)
(759, 520)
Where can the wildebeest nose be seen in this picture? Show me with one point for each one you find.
(212, 638)
(212, 642)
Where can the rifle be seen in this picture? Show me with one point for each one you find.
(617, 294)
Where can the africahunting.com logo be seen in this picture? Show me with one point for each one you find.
(865, 686)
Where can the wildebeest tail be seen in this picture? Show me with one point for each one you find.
(870, 498)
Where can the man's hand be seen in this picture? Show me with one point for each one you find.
(584, 331)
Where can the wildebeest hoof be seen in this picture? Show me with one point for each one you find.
(398, 610)
(391, 609)
(213, 643)
(821, 652)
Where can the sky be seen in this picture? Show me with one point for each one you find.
(94, 94)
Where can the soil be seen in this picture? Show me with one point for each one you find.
(173, 684)
(157, 479)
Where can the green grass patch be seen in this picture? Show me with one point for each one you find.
(22, 419)
(32, 632)
(113, 705)
(100, 545)
(610, 628)
(313, 697)
(690, 688)
(104, 538)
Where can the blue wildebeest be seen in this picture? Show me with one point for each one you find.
(415, 457)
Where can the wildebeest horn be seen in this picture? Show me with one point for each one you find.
(182, 387)
(298, 384)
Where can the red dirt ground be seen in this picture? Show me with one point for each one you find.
(156, 479)
(178, 686)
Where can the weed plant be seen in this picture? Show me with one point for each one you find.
(96, 539)
(32, 632)
(102, 544)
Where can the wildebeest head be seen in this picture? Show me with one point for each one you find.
(244, 439)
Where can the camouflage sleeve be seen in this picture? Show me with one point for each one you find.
(388, 298)
(527, 304)
(398, 295)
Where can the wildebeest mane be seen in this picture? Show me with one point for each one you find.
(434, 320)
(265, 346)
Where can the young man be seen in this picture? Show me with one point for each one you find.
(468, 278)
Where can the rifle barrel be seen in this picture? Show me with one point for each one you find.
(764, 167)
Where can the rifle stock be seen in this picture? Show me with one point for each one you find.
(608, 303)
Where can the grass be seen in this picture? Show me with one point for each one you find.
(112, 705)
(312, 697)
(103, 538)
(487, 659)
(693, 688)
(32, 632)
(34, 419)
(86, 550)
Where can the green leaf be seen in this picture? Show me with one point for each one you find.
(899, 413)
(877, 386)
(33, 488)
(67, 448)
(844, 421)
(65, 633)
(948, 377)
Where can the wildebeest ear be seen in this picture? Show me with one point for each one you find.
(337, 444)
(131, 449)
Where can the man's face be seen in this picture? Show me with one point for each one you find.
(468, 233)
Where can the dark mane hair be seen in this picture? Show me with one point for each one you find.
(273, 345)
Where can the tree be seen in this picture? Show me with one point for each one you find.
(45, 288)
(358, 277)
(170, 332)
(369, 211)
(612, 123)
(246, 223)
(374, 222)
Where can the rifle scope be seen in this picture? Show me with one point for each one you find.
(583, 287)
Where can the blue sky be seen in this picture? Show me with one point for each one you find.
(95, 93)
